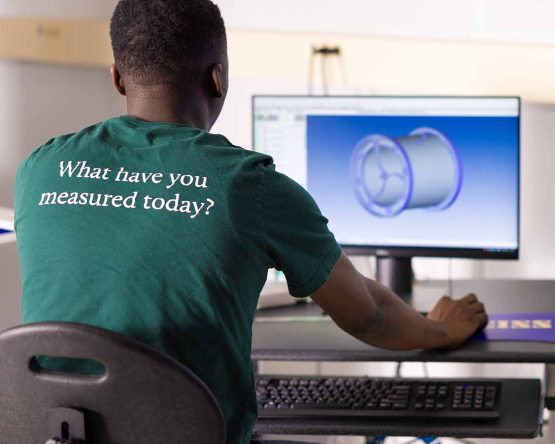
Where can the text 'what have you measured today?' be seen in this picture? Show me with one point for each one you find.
(169, 181)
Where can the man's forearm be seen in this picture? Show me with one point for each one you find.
(372, 313)
(394, 325)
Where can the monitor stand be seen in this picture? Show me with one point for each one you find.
(396, 274)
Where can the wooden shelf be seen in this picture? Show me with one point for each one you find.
(73, 42)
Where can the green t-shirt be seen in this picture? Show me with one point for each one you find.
(165, 233)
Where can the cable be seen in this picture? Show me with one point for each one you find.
(324, 68)
(311, 72)
(370, 268)
(324, 52)
(412, 441)
(343, 70)
(318, 368)
(425, 371)
(376, 439)
(449, 279)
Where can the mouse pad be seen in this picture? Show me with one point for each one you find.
(532, 327)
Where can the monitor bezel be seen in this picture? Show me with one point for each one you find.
(410, 251)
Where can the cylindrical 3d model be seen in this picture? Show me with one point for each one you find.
(421, 170)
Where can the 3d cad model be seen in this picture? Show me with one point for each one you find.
(391, 175)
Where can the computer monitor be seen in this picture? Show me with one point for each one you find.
(399, 177)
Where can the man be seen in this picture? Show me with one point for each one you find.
(148, 225)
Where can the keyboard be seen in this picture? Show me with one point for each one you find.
(352, 397)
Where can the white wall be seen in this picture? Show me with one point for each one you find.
(58, 8)
(376, 17)
(497, 20)
(39, 101)
(537, 191)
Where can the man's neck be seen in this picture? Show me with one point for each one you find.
(166, 106)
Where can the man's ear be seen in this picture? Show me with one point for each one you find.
(117, 80)
(217, 85)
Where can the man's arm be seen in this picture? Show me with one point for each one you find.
(372, 313)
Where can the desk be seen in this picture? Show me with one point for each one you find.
(6, 225)
(309, 336)
(10, 301)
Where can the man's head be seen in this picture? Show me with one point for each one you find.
(171, 47)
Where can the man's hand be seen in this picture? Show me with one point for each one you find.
(373, 314)
(461, 318)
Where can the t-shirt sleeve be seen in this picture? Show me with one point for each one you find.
(298, 240)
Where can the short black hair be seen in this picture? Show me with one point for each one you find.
(166, 41)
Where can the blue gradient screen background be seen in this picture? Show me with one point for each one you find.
(485, 214)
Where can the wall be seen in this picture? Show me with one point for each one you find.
(537, 210)
(493, 20)
(279, 62)
(483, 20)
(58, 8)
(41, 101)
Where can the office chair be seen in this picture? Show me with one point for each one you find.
(143, 396)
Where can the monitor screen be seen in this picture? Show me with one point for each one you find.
(403, 175)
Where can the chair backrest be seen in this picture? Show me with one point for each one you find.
(143, 397)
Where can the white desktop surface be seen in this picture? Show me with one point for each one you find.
(7, 223)
(10, 293)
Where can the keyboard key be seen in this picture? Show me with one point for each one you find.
(400, 405)
(489, 405)
(398, 397)
(462, 407)
(338, 406)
